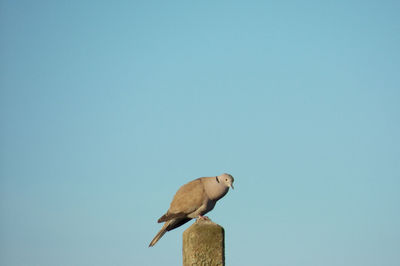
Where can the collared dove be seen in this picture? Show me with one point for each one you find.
(192, 200)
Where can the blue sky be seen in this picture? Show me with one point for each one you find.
(106, 108)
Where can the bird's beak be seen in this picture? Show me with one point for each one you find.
(232, 186)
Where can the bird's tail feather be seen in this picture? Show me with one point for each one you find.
(160, 233)
(168, 226)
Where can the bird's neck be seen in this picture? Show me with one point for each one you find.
(214, 188)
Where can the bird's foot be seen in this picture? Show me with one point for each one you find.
(203, 218)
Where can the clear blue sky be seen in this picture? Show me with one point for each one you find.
(107, 107)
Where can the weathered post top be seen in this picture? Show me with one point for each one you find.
(204, 244)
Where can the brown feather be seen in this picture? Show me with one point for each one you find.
(192, 200)
(168, 226)
(181, 203)
(169, 216)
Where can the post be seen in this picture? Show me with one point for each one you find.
(204, 244)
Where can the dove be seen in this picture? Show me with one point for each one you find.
(193, 200)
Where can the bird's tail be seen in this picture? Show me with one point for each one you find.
(160, 233)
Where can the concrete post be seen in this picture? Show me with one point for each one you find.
(204, 244)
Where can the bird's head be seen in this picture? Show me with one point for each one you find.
(227, 180)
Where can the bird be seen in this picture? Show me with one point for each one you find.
(194, 200)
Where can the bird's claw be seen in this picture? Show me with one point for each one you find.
(203, 218)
